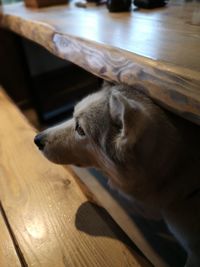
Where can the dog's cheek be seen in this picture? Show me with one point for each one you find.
(64, 147)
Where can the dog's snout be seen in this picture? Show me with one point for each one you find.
(39, 141)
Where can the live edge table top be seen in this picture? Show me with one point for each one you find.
(160, 48)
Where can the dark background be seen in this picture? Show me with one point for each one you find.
(35, 78)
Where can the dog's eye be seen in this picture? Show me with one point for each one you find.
(79, 130)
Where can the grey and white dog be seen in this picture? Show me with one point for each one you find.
(148, 154)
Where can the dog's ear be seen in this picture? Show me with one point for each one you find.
(129, 115)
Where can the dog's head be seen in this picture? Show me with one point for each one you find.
(109, 131)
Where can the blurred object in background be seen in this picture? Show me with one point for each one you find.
(119, 5)
(150, 3)
(81, 3)
(41, 3)
(93, 1)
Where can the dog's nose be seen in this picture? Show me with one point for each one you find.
(39, 141)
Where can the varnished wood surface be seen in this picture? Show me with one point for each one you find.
(8, 255)
(51, 219)
(159, 49)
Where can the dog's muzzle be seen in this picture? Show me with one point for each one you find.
(39, 141)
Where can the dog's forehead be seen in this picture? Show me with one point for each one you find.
(90, 102)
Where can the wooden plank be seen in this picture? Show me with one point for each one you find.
(8, 255)
(159, 49)
(52, 220)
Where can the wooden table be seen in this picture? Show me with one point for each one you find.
(159, 49)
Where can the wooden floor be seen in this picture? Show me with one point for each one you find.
(45, 219)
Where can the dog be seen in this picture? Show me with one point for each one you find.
(148, 154)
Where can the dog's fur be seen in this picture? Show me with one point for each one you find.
(147, 153)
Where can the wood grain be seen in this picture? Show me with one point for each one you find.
(53, 222)
(8, 255)
(159, 49)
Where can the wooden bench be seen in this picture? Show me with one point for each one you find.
(45, 218)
